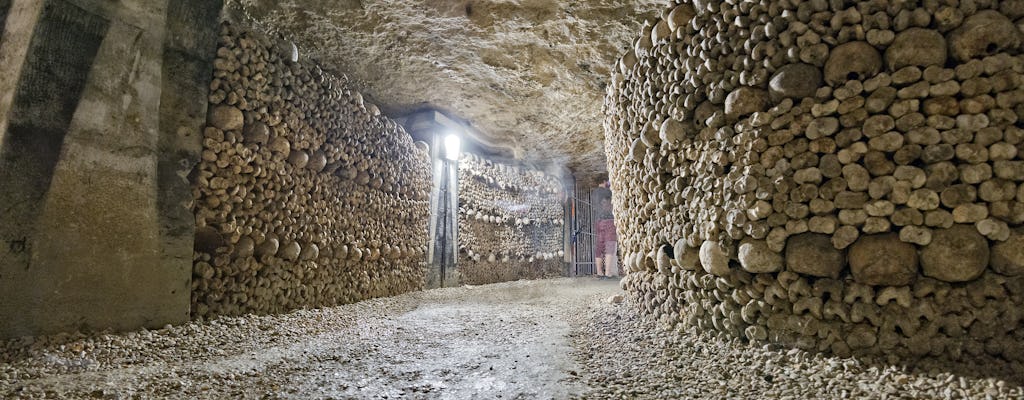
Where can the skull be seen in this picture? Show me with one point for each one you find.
(918, 47)
(985, 33)
(852, 61)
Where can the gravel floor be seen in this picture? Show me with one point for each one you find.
(628, 357)
(542, 339)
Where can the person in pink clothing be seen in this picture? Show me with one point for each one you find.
(605, 245)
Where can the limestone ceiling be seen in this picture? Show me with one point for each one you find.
(526, 74)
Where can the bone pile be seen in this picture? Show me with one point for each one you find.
(510, 222)
(306, 195)
(841, 176)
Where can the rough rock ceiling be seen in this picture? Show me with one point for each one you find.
(526, 74)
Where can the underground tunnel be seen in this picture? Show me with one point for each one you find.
(607, 199)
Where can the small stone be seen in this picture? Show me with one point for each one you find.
(970, 213)
(857, 177)
(905, 106)
(822, 127)
(945, 105)
(918, 90)
(756, 332)
(638, 150)
(813, 254)
(977, 173)
(680, 16)
(914, 175)
(844, 236)
(881, 186)
(887, 142)
(907, 216)
(956, 254)
(923, 199)
(256, 133)
(938, 219)
(972, 122)
(821, 206)
(916, 47)
(822, 224)
(880, 208)
(995, 190)
(1008, 256)
(854, 217)
(948, 18)
(945, 89)
(226, 118)
(908, 154)
(686, 257)
(956, 195)
(280, 145)
(880, 100)
(862, 336)
(993, 229)
(1002, 151)
(1010, 170)
(745, 101)
(714, 258)
(883, 260)
(901, 191)
(916, 234)
(671, 131)
(755, 257)
(1012, 212)
(850, 200)
(777, 239)
(876, 225)
(794, 81)
(878, 124)
(808, 175)
(906, 75)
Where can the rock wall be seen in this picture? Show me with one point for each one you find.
(306, 195)
(100, 109)
(833, 175)
(510, 222)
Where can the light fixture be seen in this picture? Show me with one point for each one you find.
(452, 142)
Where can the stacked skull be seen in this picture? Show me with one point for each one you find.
(510, 222)
(306, 195)
(834, 175)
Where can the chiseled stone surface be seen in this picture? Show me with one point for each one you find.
(528, 74)
(103, 129)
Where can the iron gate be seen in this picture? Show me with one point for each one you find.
(582, 215)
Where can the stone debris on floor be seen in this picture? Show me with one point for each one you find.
(548, 339)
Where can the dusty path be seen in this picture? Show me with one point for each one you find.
(550, 339)
(507, 340)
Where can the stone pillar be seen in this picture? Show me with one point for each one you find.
(102, 126)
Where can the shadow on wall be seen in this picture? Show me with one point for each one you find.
(87, 149)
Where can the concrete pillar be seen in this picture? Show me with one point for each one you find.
(101, 214)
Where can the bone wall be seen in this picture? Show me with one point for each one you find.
(833, 175)
(510, 222)
(306, 195)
